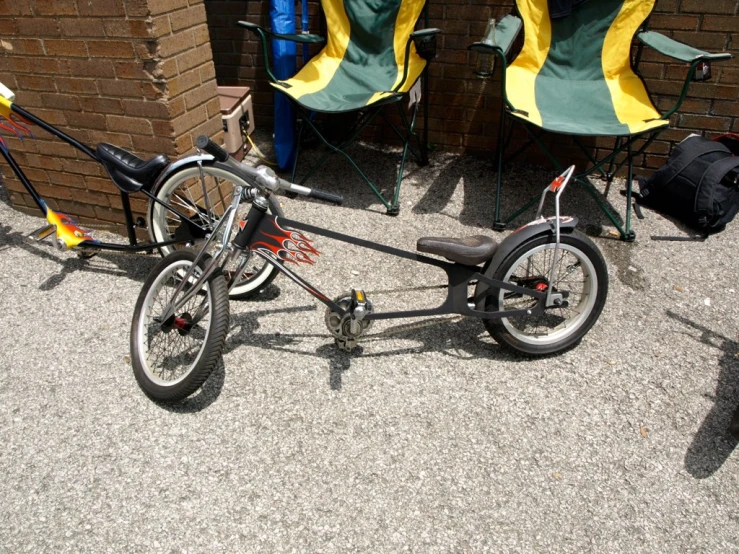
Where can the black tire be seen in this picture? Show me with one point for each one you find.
(162, 371)
(184, 191)
(581, 273)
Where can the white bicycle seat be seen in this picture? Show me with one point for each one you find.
(6, 93)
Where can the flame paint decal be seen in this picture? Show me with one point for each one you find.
(66, 229)
(286, 246)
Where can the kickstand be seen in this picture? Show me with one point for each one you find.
(43, 232)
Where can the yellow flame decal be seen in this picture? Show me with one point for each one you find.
(66, 229)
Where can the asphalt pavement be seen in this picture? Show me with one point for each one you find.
(429, 438)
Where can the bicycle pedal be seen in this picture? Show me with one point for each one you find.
(42, 232)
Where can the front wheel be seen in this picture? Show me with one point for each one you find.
(201, 193)
(172, 359)
(580, 282)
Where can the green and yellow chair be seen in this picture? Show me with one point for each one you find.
(372, 58)
(575, 76)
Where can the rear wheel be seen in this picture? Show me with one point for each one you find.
(580, 281)
(172, 359)
(202, 195)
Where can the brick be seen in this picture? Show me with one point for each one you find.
(66, 102)
(40, 83)
(8, 27)
(198, 96)
(135, 28)
(166, 6)
(701, 6)
(173, 44)
(55, 7)
(190, 17)
(86, 120)
(110, 49)
(183, 83)
(160, 26)
(81, 27)
(49, 66)
(99, 8)
(66, 47)
(91, 68)
(38, 27)
(164, 145)
(194, 58)
(28, 47)
(719, 23)
(726, 108)
(101, 105)
(129, 69)
(76, 85)
(705, 122)
(137, 8)
(9, 7)
(128, 124)
(141, 108)
(188, 121)
(120, 88)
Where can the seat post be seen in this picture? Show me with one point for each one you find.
(130, 226)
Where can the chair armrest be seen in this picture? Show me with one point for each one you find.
(499, 38)
(677, 50)
(425, 41)
(263, 33)
(302, 38)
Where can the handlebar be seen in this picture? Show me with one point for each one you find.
(263, 176)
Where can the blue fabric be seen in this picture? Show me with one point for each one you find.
(282, 16)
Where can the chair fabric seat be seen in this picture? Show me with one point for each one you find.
(336, 85)
(582, 108)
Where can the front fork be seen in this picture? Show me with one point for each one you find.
(177, 302)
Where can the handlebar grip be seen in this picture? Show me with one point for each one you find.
(207, 145)
(327, 196)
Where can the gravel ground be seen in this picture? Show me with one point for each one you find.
(429, 439)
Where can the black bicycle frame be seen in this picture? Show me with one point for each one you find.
(134, 245)
(279, 241)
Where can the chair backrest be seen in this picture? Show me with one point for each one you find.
(592, 43)
(576, 69)
(370, 32)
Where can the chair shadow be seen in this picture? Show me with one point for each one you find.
(713, 444)
(521, 184)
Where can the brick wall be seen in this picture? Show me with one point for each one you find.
(135, 73)
(465, 111)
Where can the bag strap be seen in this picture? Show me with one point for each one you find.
(714, 174)
(676, 165)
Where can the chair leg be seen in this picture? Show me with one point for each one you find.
(354, 133)
(499, 225)
(629, 235)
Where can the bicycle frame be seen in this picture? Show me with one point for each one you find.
(14, 118)
(279, 241)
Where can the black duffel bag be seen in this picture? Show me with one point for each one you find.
(699, 184)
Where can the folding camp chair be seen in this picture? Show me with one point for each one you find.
(372, 58)
(574, 76)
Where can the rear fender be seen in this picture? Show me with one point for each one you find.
(205, 160)
(521, 235)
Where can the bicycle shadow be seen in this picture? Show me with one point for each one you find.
(712, 443)
(134, 267)
(204, 397)
(456, 336)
